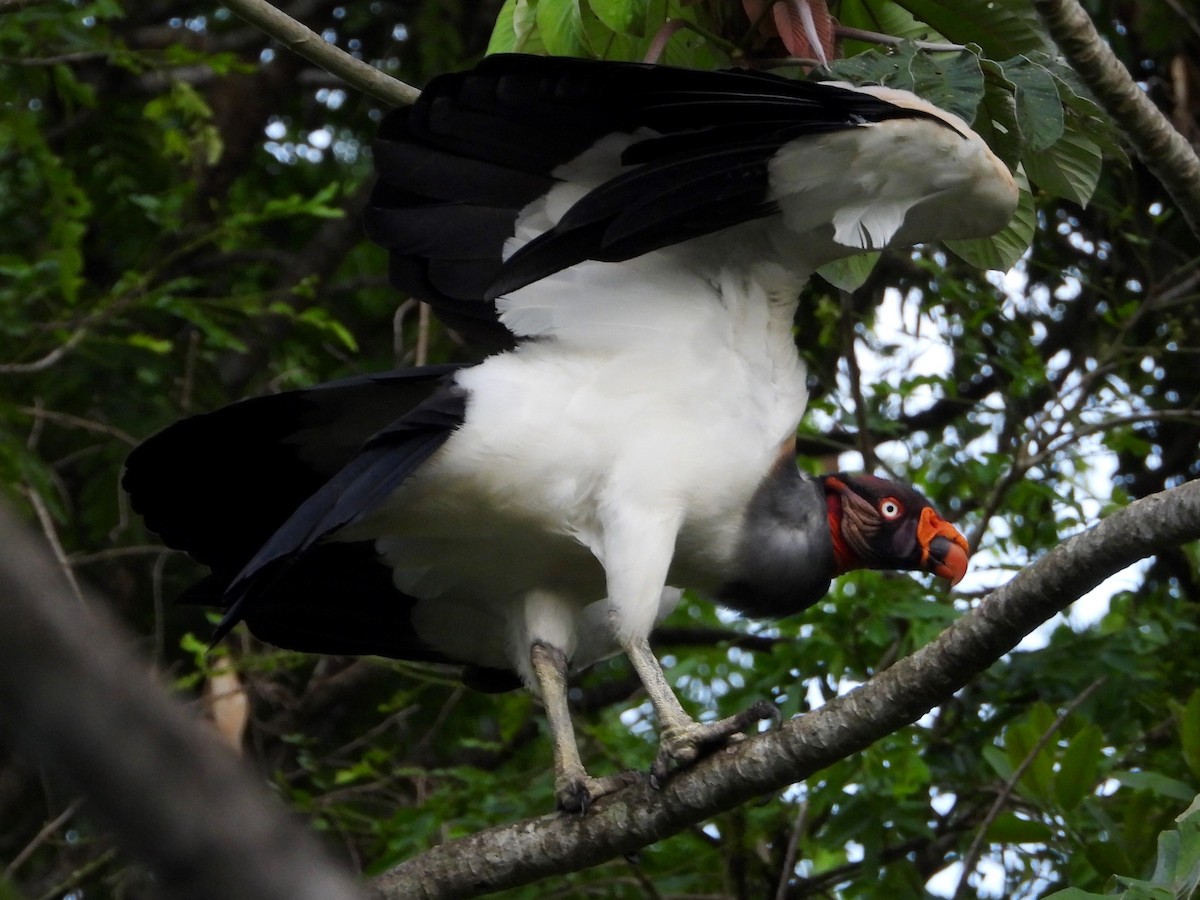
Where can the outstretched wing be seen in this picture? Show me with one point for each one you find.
(249, 489)
(219, 484)
(525, 166)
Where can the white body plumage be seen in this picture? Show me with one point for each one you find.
(629, 436)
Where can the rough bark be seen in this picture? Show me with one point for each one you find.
(526, 851)
(74, 700)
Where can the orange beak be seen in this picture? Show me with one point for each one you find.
(944, 551)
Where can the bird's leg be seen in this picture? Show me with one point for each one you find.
(638, 547)
(681, 738)
(574, 788)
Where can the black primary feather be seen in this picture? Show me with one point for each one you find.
(221, 485)
(456, 169)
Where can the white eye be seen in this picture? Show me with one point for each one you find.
(890, 508)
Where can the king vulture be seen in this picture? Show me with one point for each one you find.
(631, 240)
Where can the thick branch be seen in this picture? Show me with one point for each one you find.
(305, 42)
(73, 699)
(526, 851)
(1163, 149)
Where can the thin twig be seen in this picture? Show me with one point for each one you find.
(865, 446)
(36, 412)
(305, 42)
(789, 854)
(160, 618)
(83, 559)
(888, 40)
(46, 520)
(1185, 15)
(398, 318)
(12, 6)
(423, 323)
(38, 62)
(40, 365)
(40, 838)
(658, 44)
(783, 62)
(63, 888)
(976, 848)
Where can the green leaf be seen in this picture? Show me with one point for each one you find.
(1187, 718)
(850, 273)
(1009, 828)
(151, 343)
(1070, 169)
(1003, 28)
(887, 18)
(1107, 857)
(515, 30)
(1177, 868)
(622, 16)
(504, 34)
(1020, 739)
(1039, 108)
(1156, 783)
(998, 760)
(996, 119)
(1080, 767)
(560, 26)
(320, 318)
(1002, 251)
(952, 82)
(8, 890)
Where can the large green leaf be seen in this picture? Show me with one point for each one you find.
(1187, 720)
(622, 16)
(1156, 783)
(1039, 109)
(1069, 169)
(952, 81)
(515, 28)
(1001, 251)
(996, 119)
(560, 25)
(850, 273)
(1008, 828)
(883, 18)
(1080, 769)
(1003, 28)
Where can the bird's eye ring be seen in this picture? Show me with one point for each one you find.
(890, 508)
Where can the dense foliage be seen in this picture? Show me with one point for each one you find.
(181, 204)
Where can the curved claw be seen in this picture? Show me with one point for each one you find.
(575, 795)
(767, 710)
(683, 744)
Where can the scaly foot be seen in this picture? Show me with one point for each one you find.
(574, 794)
(682, 744)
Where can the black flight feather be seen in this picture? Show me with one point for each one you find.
(485, 143)
(378, 468)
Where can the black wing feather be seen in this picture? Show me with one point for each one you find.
(218, 485)
(358, 488)
(483, 144)
(225, 486)
(647, 208)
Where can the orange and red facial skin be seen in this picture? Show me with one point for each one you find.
(907, 529)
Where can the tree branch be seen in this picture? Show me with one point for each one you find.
(74, 700)
(523, 852)
(305, 42)
(1163, 149)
